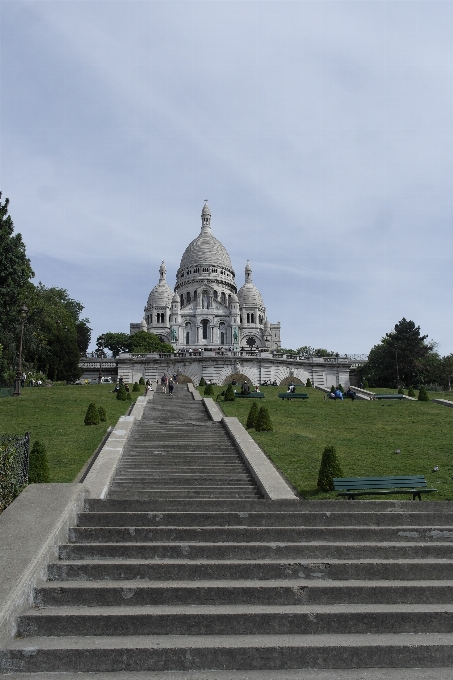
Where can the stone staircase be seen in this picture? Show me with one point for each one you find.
(175, 452)
(180, 584)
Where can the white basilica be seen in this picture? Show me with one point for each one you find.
(206, 309)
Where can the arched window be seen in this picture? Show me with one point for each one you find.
(182, 300)
(222, 334)
(215, 295)
(222, 298)
(205, 325)
(188, 333)
(188, 298)
(252, 318)
(229, 299)
(195, 295)
(248, 317)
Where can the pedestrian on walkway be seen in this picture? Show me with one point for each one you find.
(171, 386)
(163, 382)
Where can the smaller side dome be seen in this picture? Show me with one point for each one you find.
(143, 325)
(161, 295)
(175, 298)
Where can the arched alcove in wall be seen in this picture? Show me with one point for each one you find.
(239, 377)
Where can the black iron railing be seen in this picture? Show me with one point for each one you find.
(14, 460)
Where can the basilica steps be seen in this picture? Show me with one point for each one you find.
(241, 587)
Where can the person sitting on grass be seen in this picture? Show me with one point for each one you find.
(350, 394)
(338, 394)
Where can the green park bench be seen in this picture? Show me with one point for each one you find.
(293, 395)
(250, 395)
(389, 396)
(380, 486)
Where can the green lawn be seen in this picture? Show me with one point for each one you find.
(365, 433)
(54, 416)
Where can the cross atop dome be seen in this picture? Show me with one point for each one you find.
(205, 218)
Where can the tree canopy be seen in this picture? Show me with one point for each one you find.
(141, 342)
(403, 357)
(55, 335)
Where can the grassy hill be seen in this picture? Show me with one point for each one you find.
(55, 415)
(365, 434)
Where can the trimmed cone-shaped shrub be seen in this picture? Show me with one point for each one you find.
(332, 388)
(252, 416)
(423, 394)
(121, 394)
(128, 396)
(330, 468)
(340, 387)
(229, 394)
(263, 421)
(400, 390)
(365, 384)
(38, 470)
(202, 382)
(102, 414)
(141, 381)
(410, 392)
(92, 415)
(208, 391)
(308, 383)
(136, 388)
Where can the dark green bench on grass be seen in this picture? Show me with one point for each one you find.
(293, 395)
(389, 396)
(380, 486)
(250, 395)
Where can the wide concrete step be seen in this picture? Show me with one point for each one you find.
(291, 591)
(179, 652)
(243, 619)
(182, 493)
(286, 674)
(400, 508)
(410, 570)
(326, 552)
(260, 534)
(255, 519)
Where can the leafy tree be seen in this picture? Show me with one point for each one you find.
(402, 357)
(139, 343)
(51, 335)
(83, 333)
(330, 468)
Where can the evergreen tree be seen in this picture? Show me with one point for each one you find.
(400, 390)
(252, 416)
(136, 388)
(141, 381)
(263, 421)
(410, 392)
(229, 394)
(102, 414)
(403, 355)
(202, 382)
(308, 382)
(38, 469)
(423, 394)
(128, 396)
(330, 468)
(121, 394)
(209, 391)
(365, 384)
(92, 415)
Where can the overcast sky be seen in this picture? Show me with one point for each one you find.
(319, 131)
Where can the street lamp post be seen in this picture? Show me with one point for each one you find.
(23, 314)
(102, 341)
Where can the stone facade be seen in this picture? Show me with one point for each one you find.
(205, 309)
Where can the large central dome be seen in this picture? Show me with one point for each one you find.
(205, 249)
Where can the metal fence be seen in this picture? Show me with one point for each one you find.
(14, 460)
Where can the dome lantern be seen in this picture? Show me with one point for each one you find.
(248, 273)
(205, 218)
(162, 272)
